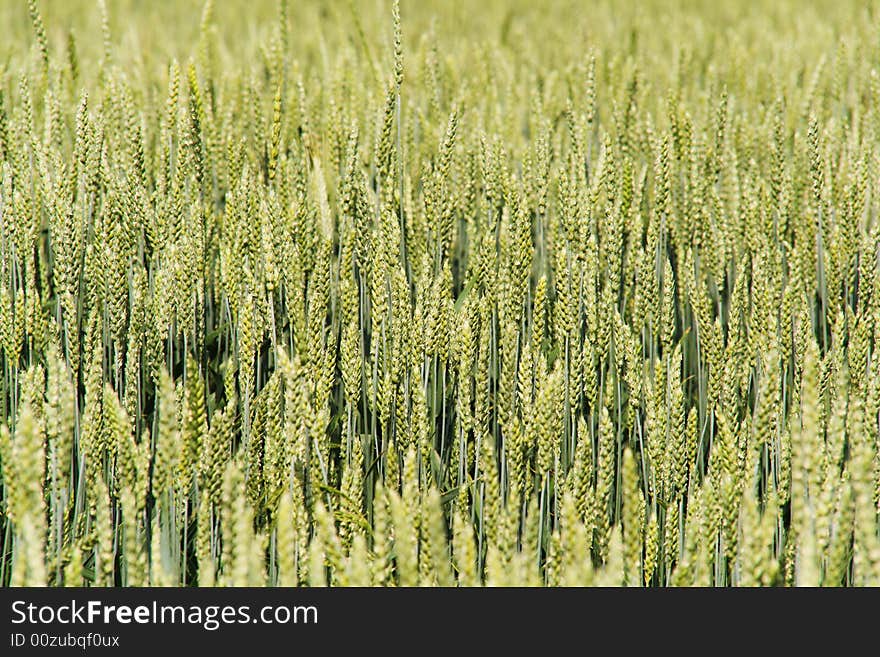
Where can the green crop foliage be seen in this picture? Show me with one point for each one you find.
(441, 293)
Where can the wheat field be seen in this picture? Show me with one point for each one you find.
(439, 293)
